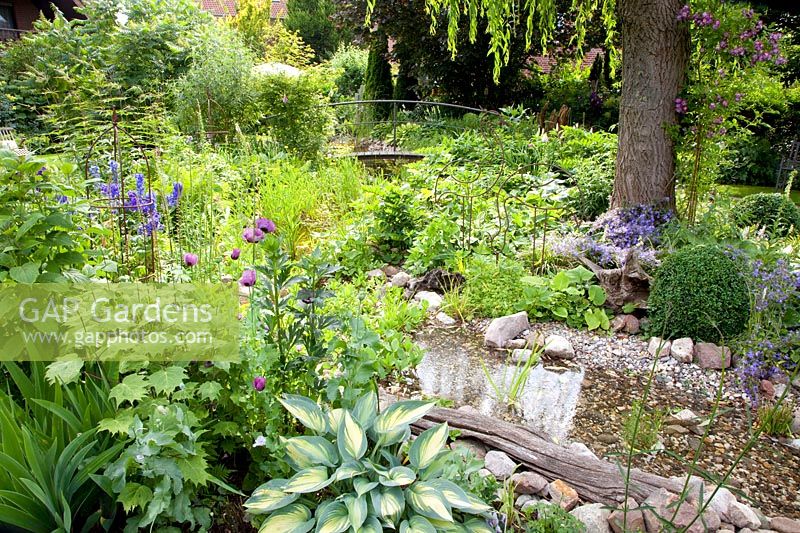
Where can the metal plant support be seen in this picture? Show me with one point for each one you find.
(121, 213)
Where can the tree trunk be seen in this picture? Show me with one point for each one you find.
(655, 53)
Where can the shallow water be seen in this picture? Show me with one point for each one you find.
(452, 369)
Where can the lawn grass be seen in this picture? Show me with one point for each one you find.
(739, 191)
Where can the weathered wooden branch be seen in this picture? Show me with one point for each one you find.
(629, 284)
(595, 480)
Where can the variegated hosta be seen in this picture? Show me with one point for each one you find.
(358, 473)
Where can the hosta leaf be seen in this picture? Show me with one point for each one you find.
(393, 437)
(268, 497)
(388, 503)
(306, 411)
(428, 501)
(366, 410)
(309, 480)
(398, 476)
(356, 510)
(332, 517)
(417, 524)
(427, 446)
(597, 295)
(476, 525)
(401, 414)
(458, 498)
(372, 525)
(349, 470)
(334, 417)
(363, 485)
(294, 518)
(351, 439)
(311, 451)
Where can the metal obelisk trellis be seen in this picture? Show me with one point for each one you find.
(123, 202)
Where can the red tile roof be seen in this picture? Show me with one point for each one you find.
(278, 9)
(547, 63)
(219, 8)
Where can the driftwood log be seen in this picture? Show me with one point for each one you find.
(595, 480)
(627, 285)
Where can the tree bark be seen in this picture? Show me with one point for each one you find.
(594, 480)
(655, 54)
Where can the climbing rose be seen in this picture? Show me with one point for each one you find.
(235, 253)
(259, 383)
(248, 278)
(189, 260)
(253, 235)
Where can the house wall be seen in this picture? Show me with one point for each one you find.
(25, 13)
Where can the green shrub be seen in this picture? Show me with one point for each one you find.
(751, 160)
(350, 63)
(699, 293)
(395, 222)
(378, 83)
(292, 110)
(494, 289)
(772, 211)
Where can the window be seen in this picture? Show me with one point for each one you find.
(7, 17)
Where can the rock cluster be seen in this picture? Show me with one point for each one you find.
(702, 508)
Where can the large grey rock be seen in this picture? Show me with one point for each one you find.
(741, 516)
(563, 495)
(662, 505)
(505, 328)
(499, 464)
(682, 350)
(583, 450)
(376, 274)
(710, 356)
(401, 279)
(627, 519)
(529, 483)
(659, 347)
(522, 499)
(433, 299)
(784, 525)
(721, 502)
(594, 517)
(559, 347)
(445, 319)
(476, 447)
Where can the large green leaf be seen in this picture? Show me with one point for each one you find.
(363, 485)
(372, 525)
(597, 295)
(458, 498)
(356, 510)
(294, 518)
(26, 273)
(399, 476)
(428, 501)
(427, 446)
(167, 380)
(332, 517)
(349, 470)
(560, 281)
(401, 414)
(352, 440)
(269, 497)
(309, 480)
(306, 411)
(132, 389)
(366, 410)
(417, 524)
(388, 503)
(306, 452)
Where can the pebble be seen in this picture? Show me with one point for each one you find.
(499, 464)
(562, 494)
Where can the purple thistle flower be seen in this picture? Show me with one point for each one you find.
(253, 235)
(235, 253)
(189, 260)
(248, 278)
(260, 383)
